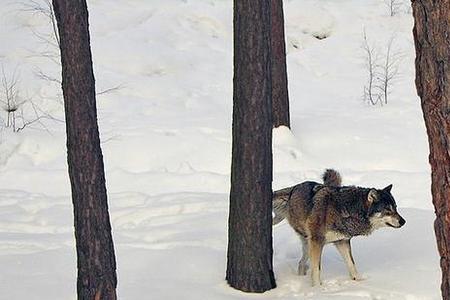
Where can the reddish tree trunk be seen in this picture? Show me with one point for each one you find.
(95, 252)
(431, 35)
(280, 98)
(249, 265)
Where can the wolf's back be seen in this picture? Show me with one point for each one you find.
(303, 191)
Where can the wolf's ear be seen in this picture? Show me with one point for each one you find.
(388, 188)
(372, 197)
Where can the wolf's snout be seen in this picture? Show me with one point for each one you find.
(402, 221)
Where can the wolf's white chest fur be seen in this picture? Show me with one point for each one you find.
(334, 236)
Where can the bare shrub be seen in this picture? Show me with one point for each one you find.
(388, 71)
(382, 71)
(372, 63)
(394, 6)
(10, 97)
(21, 112)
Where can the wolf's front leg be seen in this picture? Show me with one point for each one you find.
(315, 254)
(345, 250)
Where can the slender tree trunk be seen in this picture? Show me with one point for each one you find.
(431, 35)
(249, 265)
(95, 250)
(280, 98)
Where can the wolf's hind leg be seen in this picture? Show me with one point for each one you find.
(345, 250)
(303, 263)
(315, 255)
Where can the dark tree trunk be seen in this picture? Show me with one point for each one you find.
(249, 265)
(95, 251)
(431, 35)
(280, 99)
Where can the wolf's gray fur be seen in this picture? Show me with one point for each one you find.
(331, 213)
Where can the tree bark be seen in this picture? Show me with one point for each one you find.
(95, 251)
(280, 98)
(431, 35)
(249, 265)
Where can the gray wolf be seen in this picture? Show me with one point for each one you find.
(332, 213)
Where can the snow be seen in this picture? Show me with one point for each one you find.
(166, 139)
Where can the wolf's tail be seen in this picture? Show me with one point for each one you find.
(280, 204)
(331, 178)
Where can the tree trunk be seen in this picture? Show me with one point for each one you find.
(249, 265)
(280, 99)
(431, 35)
(95, 251)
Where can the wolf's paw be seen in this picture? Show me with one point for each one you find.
(316, 283)
(356, 277)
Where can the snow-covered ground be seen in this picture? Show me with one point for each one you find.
(167, 141)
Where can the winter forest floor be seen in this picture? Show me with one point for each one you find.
(166, 139)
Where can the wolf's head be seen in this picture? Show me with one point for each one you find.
(383, 209)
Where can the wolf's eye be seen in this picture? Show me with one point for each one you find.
(388, 210)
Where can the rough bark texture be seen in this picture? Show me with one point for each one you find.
(280, 99)
(431, 34)
(95, 252)
(249, 266)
